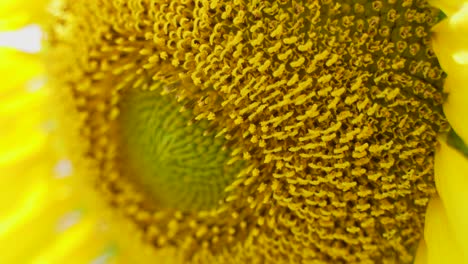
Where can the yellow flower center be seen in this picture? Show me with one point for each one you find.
(333, 106)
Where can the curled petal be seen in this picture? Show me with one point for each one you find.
(450, 43)
(455, 108)
(451, 173)
(441, 248)
(451, 46)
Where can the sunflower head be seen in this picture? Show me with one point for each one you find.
(257, 131)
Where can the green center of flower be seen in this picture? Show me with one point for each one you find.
(178, 163)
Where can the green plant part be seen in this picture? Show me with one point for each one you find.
(179, 163)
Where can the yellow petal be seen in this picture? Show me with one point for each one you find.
(66, 243)
(17, 13)
(455, 108)
(448, 6)
(450, 43)
(26, 67)
(441, 247)
(35, 228)
(459, 19)
(451, 174)
(32, 202)
(421, 254)
(451, 46)
(27, 135)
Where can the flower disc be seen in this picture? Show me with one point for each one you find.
(330, 108)
(179, 164)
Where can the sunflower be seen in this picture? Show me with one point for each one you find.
(234, 132)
